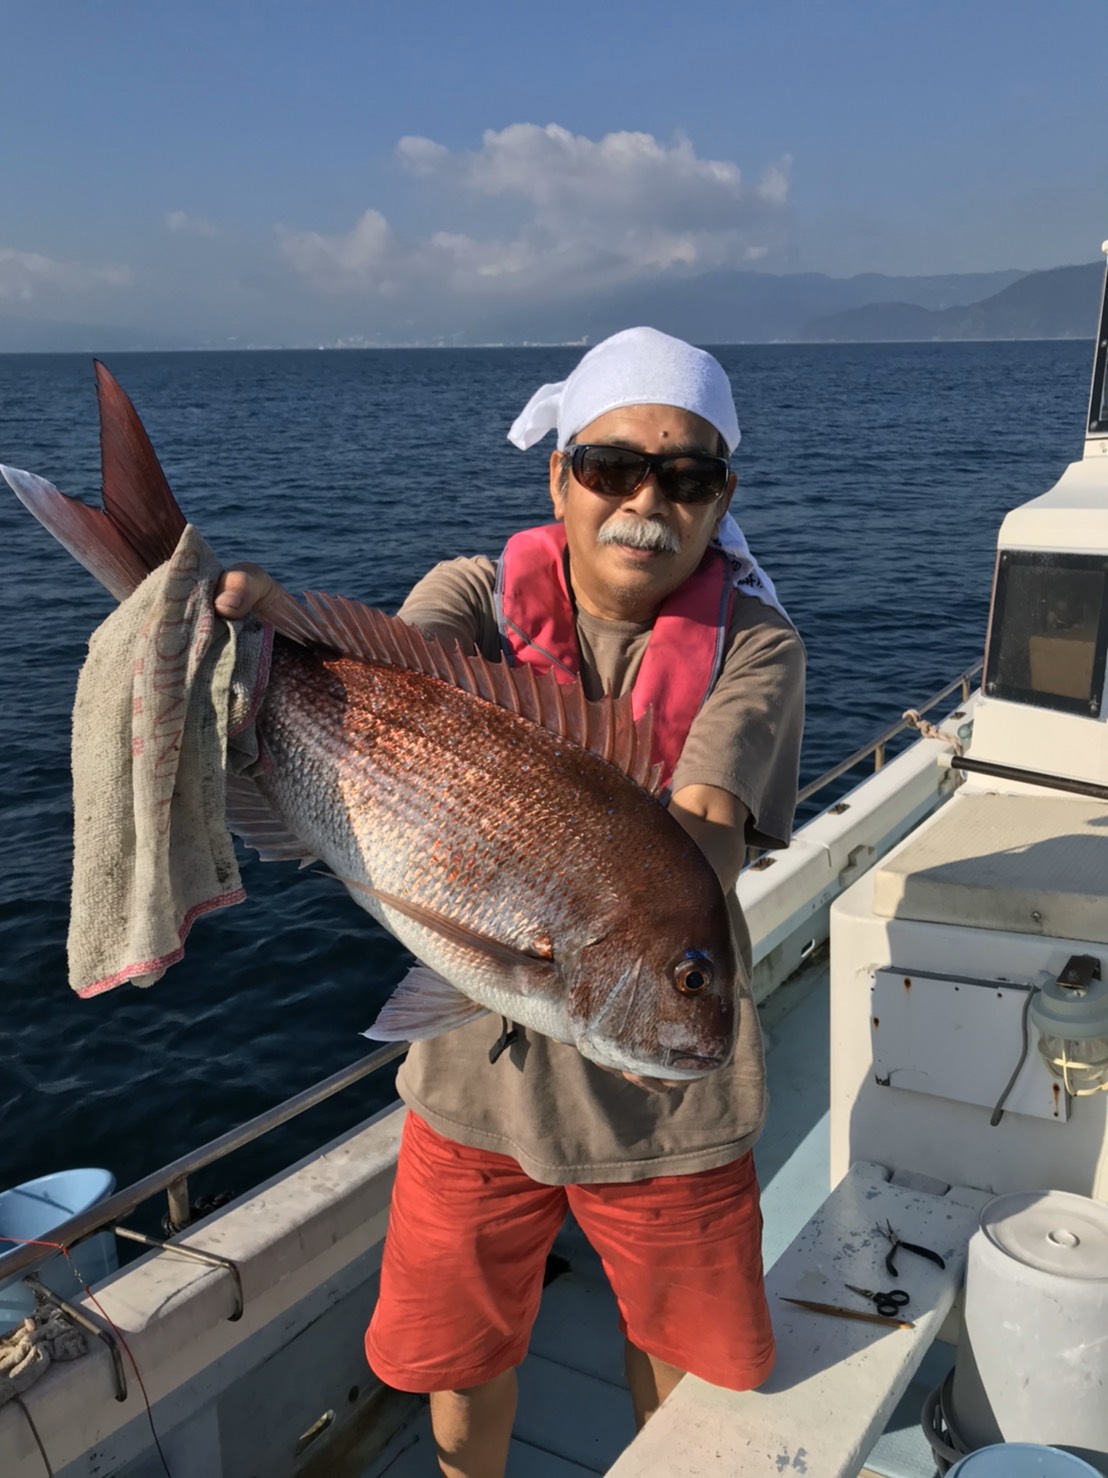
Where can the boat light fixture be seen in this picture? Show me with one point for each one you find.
(1070, 1014)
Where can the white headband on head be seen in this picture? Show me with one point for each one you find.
(639, 366)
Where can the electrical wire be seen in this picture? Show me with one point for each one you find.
(998, 1112)
(34, 1433)
(60, 1247)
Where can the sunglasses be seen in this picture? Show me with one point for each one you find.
(617, 471)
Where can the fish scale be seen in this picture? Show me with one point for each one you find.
(408, 816)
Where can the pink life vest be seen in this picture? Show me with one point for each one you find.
(534, 611)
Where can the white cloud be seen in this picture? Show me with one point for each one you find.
(421, 156)
(368, 256)
(180, 223)
(570, 210)
(25, 275)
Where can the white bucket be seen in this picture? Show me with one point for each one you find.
(30, 1212)
(1032, 1360)
(1021, 1460)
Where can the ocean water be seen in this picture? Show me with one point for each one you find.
(872, 482)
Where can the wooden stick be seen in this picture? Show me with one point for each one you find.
(863, 1314)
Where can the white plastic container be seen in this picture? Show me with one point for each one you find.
(1021, 1460)
(1032, 1360)
(31, 1211)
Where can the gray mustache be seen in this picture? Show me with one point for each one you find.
(639, 533)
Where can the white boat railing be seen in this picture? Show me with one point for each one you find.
(878, 746)
(172, 1179)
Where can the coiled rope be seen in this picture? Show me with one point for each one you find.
(32, 1346)
(928, 730)
(32, 1350)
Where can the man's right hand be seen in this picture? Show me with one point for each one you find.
(653, 1085)
(242, 589)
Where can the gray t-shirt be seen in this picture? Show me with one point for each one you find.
(564, 1119)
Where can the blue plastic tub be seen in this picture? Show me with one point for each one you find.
(33, 1210)
(1022, 1460)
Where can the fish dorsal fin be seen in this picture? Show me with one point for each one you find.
(607, 726)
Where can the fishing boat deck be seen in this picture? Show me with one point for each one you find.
(574, 1413)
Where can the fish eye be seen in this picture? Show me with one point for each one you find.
(693, 975)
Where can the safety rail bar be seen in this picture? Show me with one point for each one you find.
(173, 1178)
(876, 747)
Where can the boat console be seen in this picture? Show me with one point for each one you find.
(969, 975)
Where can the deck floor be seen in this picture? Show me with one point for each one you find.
(574, 1413)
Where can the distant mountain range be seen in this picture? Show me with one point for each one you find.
(727, 307)
(712, 308)
(46, 336)
(1058, 304)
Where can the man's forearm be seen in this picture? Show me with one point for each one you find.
(716, 821)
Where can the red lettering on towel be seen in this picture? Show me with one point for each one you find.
(173, 642)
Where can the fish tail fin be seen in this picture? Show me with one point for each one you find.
(136, 494)
(140, 524)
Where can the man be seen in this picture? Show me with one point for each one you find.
(643, 584)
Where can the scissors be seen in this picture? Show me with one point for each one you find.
(887, 1304)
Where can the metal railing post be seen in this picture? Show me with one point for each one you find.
(180, 1209)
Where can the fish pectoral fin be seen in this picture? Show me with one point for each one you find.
(422, 1005)
(607, 915)
(460, 934)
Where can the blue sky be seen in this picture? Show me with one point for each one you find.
(276, 172)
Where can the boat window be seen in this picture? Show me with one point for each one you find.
(1098, 393)
(1098, 399)
(1048, 642)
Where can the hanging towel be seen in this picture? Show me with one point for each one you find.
(166, 700)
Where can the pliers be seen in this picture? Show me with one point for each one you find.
(890, 1266)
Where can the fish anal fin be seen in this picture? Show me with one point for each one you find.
(257, 825)
(423, 1005)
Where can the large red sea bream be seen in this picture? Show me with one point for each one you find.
(501, 826)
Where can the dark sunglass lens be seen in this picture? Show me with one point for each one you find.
(610, 470)
(693, 479)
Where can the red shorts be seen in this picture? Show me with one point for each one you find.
(465, 1254)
